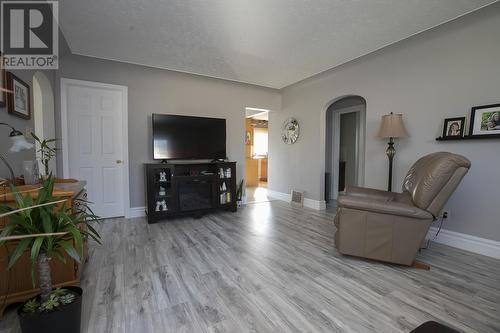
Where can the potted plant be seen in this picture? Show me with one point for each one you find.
(46, 228)
(45, 151)
(239, 193)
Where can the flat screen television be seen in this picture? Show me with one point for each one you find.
(185, 137)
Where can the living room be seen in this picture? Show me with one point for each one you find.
(128, 81)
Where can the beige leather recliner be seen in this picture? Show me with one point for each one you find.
(389, 226)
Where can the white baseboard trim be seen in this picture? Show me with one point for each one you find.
(136, 212)
(315, 204)
(279, 195)
(466, 242)
(309, 203)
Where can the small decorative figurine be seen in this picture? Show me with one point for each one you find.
(163, 176)
(162, 191)
(161, 206)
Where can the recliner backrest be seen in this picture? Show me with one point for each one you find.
(433, 179)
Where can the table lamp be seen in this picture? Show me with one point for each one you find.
(19, 143)
(391, 127)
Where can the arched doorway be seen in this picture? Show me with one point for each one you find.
(344, 145)
(43, 112)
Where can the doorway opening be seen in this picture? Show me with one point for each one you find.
(345, 141)
(256, 154)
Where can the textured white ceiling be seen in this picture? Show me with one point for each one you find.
(272, 43)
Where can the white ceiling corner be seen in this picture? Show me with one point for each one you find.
(272, 43)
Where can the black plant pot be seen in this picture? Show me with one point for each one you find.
(65, 320)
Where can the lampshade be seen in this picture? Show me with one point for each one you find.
(19, 143)
(392, 126)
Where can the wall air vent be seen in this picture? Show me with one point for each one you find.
(297, 198)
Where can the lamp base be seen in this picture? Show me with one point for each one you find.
(390, 152)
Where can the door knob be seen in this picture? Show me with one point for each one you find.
(119, 161)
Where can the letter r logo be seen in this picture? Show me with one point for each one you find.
(28, 27)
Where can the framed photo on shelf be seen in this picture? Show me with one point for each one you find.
(485, 120)
(454, 127)
(18, 102)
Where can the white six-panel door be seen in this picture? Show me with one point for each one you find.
(95, 145)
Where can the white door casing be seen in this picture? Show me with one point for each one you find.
(94, 122)
(360, 146)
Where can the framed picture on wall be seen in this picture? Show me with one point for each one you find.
(18, 102)
(248, 138)
(485, 120)
(454, 127)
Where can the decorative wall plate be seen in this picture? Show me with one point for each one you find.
(290, 131)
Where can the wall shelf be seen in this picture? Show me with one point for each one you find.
(469, 137)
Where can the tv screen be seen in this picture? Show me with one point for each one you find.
(184, 137)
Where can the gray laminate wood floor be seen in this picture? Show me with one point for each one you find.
(272, 268)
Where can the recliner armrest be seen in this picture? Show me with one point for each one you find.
(383, 207)
(369, 193)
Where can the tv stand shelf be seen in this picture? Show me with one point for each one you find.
(176, 189)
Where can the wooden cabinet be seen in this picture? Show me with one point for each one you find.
(175, 189)
(16, 284)
(263, 169)
(252, 172)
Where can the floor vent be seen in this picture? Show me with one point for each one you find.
(297, 198)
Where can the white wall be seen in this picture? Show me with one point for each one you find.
(438, 74)
(153, 90)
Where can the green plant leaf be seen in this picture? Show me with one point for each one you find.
(46, 221)
(37, 139)
(31, 306)
(93, 234)
(20, 200)
(20, 220)
(77, 236)
(70, 250)
(18, 251)
(7, 231)
(60, 256)
(35, 248)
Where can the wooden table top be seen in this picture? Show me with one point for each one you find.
(60, 190)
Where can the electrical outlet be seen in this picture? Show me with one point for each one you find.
(445, 214)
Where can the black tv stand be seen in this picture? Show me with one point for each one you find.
(177, 189)
(164, 161)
